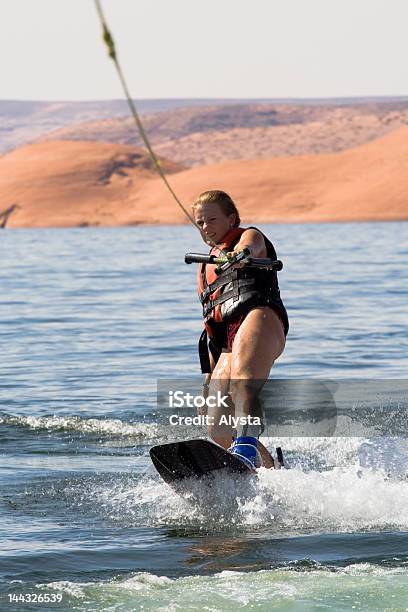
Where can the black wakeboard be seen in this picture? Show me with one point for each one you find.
(194, 459)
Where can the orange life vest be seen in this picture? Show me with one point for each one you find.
(233, 293)
(207, 277)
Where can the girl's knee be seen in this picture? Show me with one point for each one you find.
(245, 393)
(245, 385)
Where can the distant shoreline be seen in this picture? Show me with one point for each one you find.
(184, 224)
(280, 163)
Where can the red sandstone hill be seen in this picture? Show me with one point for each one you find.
(369, 182)
(73, 183)
(67, 183)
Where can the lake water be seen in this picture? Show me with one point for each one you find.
(90, 319)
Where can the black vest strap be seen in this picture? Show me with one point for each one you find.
(203, 353)
(237, 291)
(206, 347)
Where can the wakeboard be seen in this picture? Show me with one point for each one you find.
(195, 459)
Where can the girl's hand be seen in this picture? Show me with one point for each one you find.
(238, 250)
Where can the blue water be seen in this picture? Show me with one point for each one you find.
(90, 319)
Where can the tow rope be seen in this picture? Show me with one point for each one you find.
(108, 39)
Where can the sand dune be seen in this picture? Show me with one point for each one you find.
(369, 182)
(74, 183)
(67, 183)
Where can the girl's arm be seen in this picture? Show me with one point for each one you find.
(254, 241)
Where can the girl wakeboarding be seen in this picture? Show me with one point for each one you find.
(245, 324)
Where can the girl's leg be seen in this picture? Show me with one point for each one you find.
(258, 343)
(220, 377)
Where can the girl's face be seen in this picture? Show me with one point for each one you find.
(211, 219)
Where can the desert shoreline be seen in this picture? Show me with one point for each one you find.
(85, 182)
(183, 224)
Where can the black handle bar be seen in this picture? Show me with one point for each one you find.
(269, 264)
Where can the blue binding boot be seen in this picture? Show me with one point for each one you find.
(245, 447)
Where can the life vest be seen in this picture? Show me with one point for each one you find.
(212, 288)
(234, 293)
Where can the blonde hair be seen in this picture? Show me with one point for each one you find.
(224, 201)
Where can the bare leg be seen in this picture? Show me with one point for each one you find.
(259, 342)
(220, 378)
